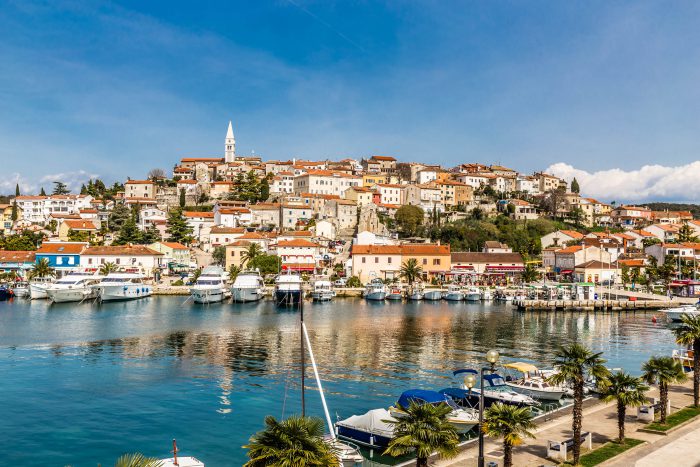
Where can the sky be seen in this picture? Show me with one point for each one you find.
(602, 90)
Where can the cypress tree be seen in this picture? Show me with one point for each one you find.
(182, 198)
(42, 192)
(574, 186)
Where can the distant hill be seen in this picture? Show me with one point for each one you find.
(693, 208)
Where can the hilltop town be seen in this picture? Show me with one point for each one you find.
(356, 219)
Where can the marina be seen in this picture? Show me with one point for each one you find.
(139, 362)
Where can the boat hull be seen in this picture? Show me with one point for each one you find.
(537, 394)
(365, 438)
(38, 291)
(415, 296)
(676, 314)
(287, 298)
(5, 294)
(123, 292)
(376, 296)
(454, 296)
(246, 294)
(473, 297)
(322, 296)
(433, 295)
(20, 292)
(71, 295)
(205, 296)
(394, 296)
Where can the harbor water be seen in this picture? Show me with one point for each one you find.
(84, 383)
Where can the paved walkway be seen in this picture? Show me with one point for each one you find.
(601, 420)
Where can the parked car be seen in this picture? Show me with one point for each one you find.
(340, 282)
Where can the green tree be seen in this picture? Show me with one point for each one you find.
(219, 255)
(42, 192)
(625, 274)
(267, 264)
(182, 198)
(233, 272)
(120, 214)
(574, 365)
(16, 190)
(42, 268)
(177, 228)
(60, 188)
(354, 282)
(15, 213)
(150, 235)
(264, 189)
(253, 251)
(662, 371)
(688, 334)
(530, 273)
(108, 268)
(137, 460)
(627, 391)
(52, 225)
(477, 214)
(78, 235)
(295, 442)
(575, 188)
(686, 233)
(411, 271)
(129, 233)
(409, 219)
(510, 423)
(424, 429)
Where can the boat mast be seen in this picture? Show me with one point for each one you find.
(318, 381)
(303, 356)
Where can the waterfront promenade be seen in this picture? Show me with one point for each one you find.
(601, 420)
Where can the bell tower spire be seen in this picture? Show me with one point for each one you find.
(230, 145)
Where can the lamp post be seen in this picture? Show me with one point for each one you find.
(492, 357)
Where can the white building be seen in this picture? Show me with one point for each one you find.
(129, 258)
(37, 209)
(325, 182)
(283, 182)
(230, 145)
(473, 180)
(427, 197)
(390, 193)
(232, 217)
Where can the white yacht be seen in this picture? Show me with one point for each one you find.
(375, 290)
(473, 294)
(73, 288)
(395, 292)
(532, 384)
(123, 286)
(38, 286)
(486, 294)
(675, 314)
(323, 291)
(454, 293)
(21, 289)
(463, 419)
(288, 289)
(416, 293)
(433, 294)
(210, 286)
(248, 286)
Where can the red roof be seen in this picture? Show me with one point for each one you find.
(68, 248)
(11, 256)
(205, 214)
(175, 245)
(297, 242)
(79, 224)
(126, 250)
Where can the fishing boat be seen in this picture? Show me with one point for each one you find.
(74, 287)
(180, 461)
(20, 289)
(370, 429)
(454, 293)
(675, 314)
(434, 294)
(288, 289)
(375, 290)
(473, 294)
(210, 286)
(38, 286)
(248, 286)
(486, 294)
(463, 419)
(495, 390)
(684, 357)
(5, 293)
(501, 295)
(323, 291)
(395, 292)
(122, 286)
(531, 383)
(416, 293)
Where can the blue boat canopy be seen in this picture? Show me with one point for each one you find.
(421, 396)
(456, 393)
(494, 379)
(464, 370)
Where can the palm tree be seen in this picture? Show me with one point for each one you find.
(233, 272)
(410, 270)
(137, 460)
(424, 429)
(688, 333)
(574, 364)
(628, 391)
(253, 251)
(108, 268)
(510, 423)
(295, 442)
(663, 371)
(41, 269)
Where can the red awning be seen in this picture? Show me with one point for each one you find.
(567, 271)
(462, 267)
(505, 268)
(299, 267)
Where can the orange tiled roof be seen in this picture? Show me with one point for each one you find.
(126, 250)
(80, 224)
(61, 247)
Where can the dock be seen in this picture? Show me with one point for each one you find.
(590, 305)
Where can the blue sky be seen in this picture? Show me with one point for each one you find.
(119, 88)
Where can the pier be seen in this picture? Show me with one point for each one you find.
(590, 305)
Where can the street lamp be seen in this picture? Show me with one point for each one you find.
(492, 357)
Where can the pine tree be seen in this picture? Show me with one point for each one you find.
(178, 229)
(42, 192)
(60, 188)
(129, 233)
(118, 216)
(83, 189)
(574, 186)
(150, 235)
(264, 190)
(17, 190)
(182, 198)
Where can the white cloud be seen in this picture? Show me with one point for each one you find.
(72, 179)
(649, 183)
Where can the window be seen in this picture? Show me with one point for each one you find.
(363, 260)
(59, 259)
(376, 259)
(71, 260)
(117, 261)
(425, 261)
(436, 262)
(389, 260)
(89, 260)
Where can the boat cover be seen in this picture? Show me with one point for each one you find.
(521, 367)
(420, 396)
(374, 421)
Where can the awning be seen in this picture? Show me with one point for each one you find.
(505, 268)
(567, 271)
(298, 267)
(521, 367)
(462, 267)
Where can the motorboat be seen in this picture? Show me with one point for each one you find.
(288, 289)
(123, 286)
(180, 461)
(323, 291)
(74, 287)
(20, 289)
(434, 294)
(210, 286)
(531, 383)
(416, 293)
(6, 293)
(501, 295)
(454, 293)
(371, 429)
(38, 286)
(675, 314)
(375, 290)
(473, 294)
(495, 390)
(248, 286)
(486, 294)
(395, 292)
(463, 419)
(684, 357)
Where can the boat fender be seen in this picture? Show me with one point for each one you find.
(653, 319)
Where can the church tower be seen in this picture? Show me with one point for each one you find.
(230, 152)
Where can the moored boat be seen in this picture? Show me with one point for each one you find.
(495, 390)
(463, 419)
(454, 293)
(20, 289)
(288, 289)
(123, 286)
(416, 293)
(210, 286)
(369, 429)
(323, 291)
(180, 461)
(375, 290)
(248, 287)
(38, 286)
(532, 384)
(434, 294)
(473, 294)
(675, 314)
(486, 294)
(74, 287)
(395, 292)
(5, 293)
